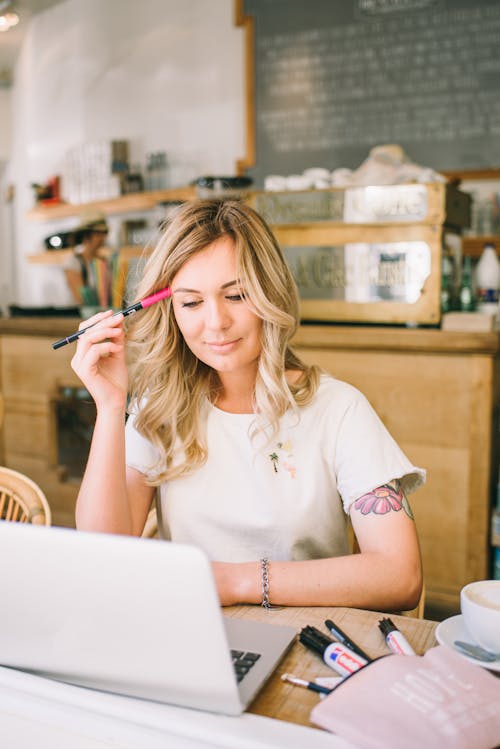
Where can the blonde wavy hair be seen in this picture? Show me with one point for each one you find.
(169, 386)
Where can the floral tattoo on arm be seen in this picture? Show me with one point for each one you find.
(383, 499)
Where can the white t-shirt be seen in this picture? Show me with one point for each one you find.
(290, 499)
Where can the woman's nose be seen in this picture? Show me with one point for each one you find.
(217, 316)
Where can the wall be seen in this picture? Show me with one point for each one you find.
(5, 146)
(5, 135)
(163, 74)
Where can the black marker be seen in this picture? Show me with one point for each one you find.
(336, 655)
(345, 640)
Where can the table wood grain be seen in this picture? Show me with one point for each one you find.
(284, 701)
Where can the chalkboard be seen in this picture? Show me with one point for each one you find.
(333, 78)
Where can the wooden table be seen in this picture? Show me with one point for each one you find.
(48, 715)
(284, 701)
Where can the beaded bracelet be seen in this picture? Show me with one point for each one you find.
(264, 567)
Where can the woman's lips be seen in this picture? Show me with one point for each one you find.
(223, 347)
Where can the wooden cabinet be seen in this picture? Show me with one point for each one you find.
(58, 257)
(438, 394)
(31, 374)
(368, 253)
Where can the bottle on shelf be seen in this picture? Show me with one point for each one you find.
(495, 518)
(133, 180)
(466, 294)
(495, 534)
(496, 563)
(488, 279)
(150, 180)
(445, 284)
(162, 170)
(157, 171)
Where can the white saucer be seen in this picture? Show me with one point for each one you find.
(454, 629)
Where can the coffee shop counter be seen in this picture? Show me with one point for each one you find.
(53, 327)
(32, 377)
(437, 391)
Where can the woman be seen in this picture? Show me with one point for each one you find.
(258, 456)
(87, 269)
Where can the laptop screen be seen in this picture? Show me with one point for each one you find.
(129, 615)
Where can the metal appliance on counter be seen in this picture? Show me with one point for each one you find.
(222, 187)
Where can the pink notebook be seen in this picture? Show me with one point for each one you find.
(436, 701)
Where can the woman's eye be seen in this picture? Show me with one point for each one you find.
(190, 304)
(235, 297)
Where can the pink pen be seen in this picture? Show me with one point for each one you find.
(147, 302)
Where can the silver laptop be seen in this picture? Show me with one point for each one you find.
(139, 617)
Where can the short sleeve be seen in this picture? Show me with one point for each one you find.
(367, 456)
(139, 452)
(72, 263)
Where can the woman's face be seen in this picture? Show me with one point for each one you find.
(216, 322)
(95, 241)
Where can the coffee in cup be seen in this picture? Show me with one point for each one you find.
(480, 607)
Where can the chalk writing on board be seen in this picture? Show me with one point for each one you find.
(427, 79)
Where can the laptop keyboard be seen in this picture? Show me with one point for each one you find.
(243, 662)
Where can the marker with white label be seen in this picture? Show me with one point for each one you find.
(342, 659)
(395, 639)
(339, 657)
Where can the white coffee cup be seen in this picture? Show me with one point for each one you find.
(480, 607)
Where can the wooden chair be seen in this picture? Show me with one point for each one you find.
(151, 527)
(21, 500)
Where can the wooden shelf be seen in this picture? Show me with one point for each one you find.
(57, 257)
(139, 201)
(473, 174)
(134, 250)
(473, 246)
(50, 257)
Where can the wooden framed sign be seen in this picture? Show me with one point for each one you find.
(327, 81)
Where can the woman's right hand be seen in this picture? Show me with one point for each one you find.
(100, 362)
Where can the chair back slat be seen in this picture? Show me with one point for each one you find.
(12, 507)
(3, 498)
(151, 526)
(21, 500)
